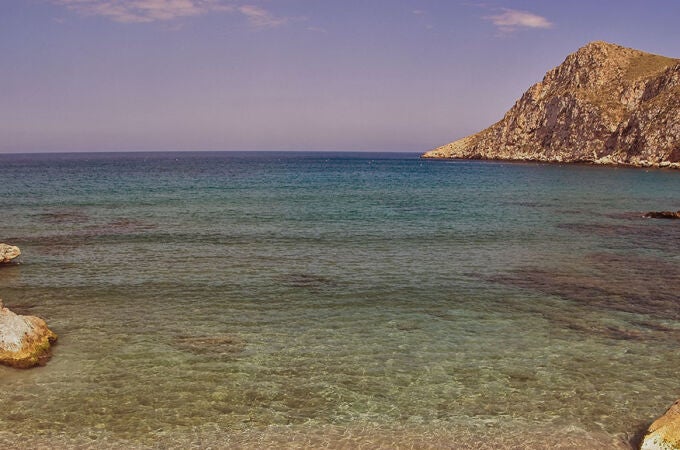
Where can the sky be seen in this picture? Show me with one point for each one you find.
(355, 75)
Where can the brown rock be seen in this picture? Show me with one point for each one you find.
(605, 104)
(8, 253)
(664, 433)
(663, 215)
(25, 341)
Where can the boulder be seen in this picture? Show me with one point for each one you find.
(664, 433)
(25, 341)
(663, 215)
(8, 253)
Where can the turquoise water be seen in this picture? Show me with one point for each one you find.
(252, 300)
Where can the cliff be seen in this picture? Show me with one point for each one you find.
(604, 104)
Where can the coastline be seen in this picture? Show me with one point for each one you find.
(547, 161)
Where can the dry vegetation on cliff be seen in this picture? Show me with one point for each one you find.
(604, 104)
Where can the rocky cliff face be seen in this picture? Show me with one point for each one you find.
(604, 104)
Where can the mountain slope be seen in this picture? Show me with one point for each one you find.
(604, 104)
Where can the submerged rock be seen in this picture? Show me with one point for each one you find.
(8, 253)
(663, 215)
(664, 433)
(605, 104)
(220, 344)
(25, 341)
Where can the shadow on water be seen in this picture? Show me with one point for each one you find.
(306, 280)
(71, 228)
(634, 230)
(644, 286)
(67, 216)
(211, 345)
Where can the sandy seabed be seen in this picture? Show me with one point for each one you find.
(485, 435)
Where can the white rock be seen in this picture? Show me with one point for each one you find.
(8, 252)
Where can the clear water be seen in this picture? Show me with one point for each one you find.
(252, 300)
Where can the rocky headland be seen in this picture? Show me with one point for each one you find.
(605, 104)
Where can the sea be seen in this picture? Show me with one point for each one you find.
(339, 300)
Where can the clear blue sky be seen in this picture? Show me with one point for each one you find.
(401, 75)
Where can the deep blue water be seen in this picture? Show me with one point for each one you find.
(342, 299)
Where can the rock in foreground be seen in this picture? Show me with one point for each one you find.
(605, 104)
(8, 253)
(24, 340)
(664, 433)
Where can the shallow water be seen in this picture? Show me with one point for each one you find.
(339, 300)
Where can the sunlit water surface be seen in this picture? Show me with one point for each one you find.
(252, 300)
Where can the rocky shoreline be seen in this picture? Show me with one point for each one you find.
(432, 155)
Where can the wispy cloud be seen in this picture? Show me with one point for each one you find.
(143, 11)
(260, 17)
(139, 11)
(511, 20)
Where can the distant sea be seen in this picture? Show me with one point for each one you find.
(353, 300)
